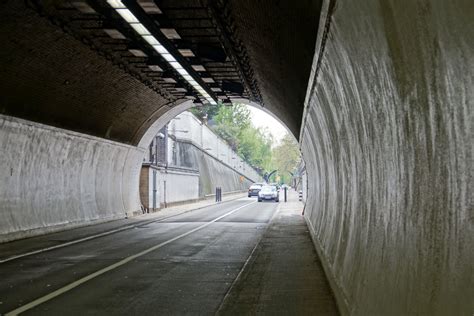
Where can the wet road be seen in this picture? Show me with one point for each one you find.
(180, 265)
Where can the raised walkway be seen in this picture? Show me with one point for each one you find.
(284, 275)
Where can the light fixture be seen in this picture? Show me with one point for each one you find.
(198, 67)
(140, 29)
(169, 80)
(127, 15)
(170, 33)
(155, 67)
(151, 40)
(160, 49)
(115, 34)
(186, 52)
(168, 57)
(207, 79)
(137, 52)
(176, 65)
(183, 73)
(149, 6)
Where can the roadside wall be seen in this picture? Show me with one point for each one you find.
(53, 179)
(187, 128)
(387, 140)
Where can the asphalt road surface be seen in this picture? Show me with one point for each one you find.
(181, 265)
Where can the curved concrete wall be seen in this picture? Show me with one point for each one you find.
(52, 179)
(215, 174)
(387, 141)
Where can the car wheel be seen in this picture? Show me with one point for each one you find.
(277, 200)
(249, 195)
(259, 200)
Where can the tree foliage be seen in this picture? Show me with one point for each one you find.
(254, 145)
(286, 157)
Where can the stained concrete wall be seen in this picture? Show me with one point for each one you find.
(213, 172)
(52, 179)
(387, 140)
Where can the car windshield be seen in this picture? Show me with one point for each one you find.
(268, 189)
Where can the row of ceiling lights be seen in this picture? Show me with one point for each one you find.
(140, 29)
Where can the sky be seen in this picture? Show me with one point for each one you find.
(261, 119)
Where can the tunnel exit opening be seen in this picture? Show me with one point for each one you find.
(217, 148)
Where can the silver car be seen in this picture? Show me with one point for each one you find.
(269, 192)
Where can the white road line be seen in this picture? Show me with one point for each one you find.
(26, 254)
(113, 231)
(89, 277)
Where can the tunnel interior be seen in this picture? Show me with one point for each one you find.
(379, 95)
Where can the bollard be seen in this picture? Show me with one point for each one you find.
(285, 189)
(217, 194)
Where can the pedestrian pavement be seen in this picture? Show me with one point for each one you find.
(284, 275)
(40, 243)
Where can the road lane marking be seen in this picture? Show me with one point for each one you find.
(120, 263)
(113, 231)
(34, 252)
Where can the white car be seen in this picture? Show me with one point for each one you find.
(269, 192)
(254, 189)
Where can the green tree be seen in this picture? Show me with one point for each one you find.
(254, 145)
(205, 112)
(230, 122)
(285, 157)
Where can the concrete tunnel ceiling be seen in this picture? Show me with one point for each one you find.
(77, 65)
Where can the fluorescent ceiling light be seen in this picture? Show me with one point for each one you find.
(150, 39)
(116, 4)
(168, 57)
(160, 49)
(175, 65)
(216, 89)
(140, 29)
(182, 72)
(150, 7)
(180, 89)
(127, 15)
